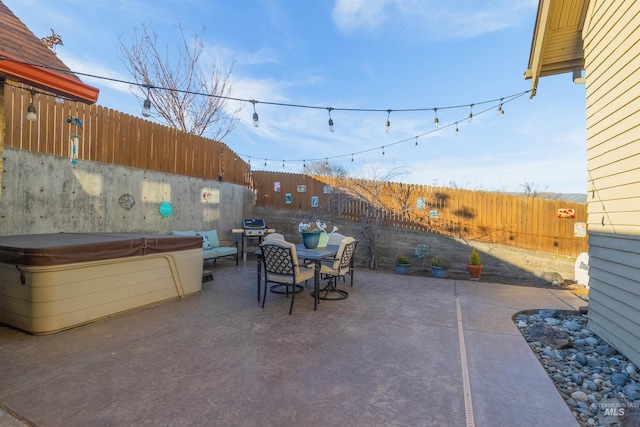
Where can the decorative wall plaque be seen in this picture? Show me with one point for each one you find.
(165, 209)
(127, 201)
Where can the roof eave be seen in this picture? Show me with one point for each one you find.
(556, 47)
(48, 80)
(537, 44)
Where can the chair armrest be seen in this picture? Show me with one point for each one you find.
(306, 263)
(229, 243)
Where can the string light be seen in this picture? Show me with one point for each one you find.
(146, 106)
(32, 114)
(330, 120)
(500, 106)
(283, 164)
(416, 145)
(382, 150)
(387, 126)
(256, 119)
(256, 122)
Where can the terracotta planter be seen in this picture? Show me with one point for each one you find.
(474, 271)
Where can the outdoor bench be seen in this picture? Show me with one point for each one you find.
(212, 247)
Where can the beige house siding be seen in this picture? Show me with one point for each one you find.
(611, 40)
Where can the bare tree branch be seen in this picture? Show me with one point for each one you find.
(378, 202)
(195, 99)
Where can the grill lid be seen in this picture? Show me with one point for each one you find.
(254, 223)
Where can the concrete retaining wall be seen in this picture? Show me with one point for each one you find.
(47, 194)
(498, 260)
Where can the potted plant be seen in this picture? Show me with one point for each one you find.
(474, 266)
(312, 232)
(402, 265)
(439, 268)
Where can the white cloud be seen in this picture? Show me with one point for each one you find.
(354, 15)
(430, 19)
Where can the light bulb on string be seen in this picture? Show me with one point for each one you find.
(32, 114)
(265, 163)
(382, 151)
(351, 157)
(500, 109)
(330, 120)
(416, 144)
(435, 119)
(146, 106)
(283, 164)
(256, 119)
(387, 125)
(326, 162)
(470, 113)
(457, 128)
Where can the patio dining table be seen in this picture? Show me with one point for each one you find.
(316, 255)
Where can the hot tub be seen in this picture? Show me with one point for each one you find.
(52, 282)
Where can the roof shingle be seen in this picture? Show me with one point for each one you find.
(19, 42)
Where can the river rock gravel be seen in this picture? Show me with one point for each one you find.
(600, 386)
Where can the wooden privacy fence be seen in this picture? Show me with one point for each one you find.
(525, 222)
(109, 136)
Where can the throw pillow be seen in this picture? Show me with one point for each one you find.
(206, 244)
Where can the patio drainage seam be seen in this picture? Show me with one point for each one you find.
(468, 404)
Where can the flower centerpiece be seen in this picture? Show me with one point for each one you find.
(311, 227)
(314, 234)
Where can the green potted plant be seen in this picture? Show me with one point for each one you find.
(439, 268)
(474, 266)
(402, 264)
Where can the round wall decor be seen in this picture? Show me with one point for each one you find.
(127, 201)
(165, 209)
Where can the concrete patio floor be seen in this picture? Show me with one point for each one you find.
(400, 351)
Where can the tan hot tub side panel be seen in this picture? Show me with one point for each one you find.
(58, 297)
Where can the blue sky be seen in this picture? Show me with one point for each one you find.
(361, 54)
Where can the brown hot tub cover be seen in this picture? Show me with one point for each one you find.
(68, 248)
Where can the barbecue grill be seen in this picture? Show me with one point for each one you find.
(254, 227)
(252, 230)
